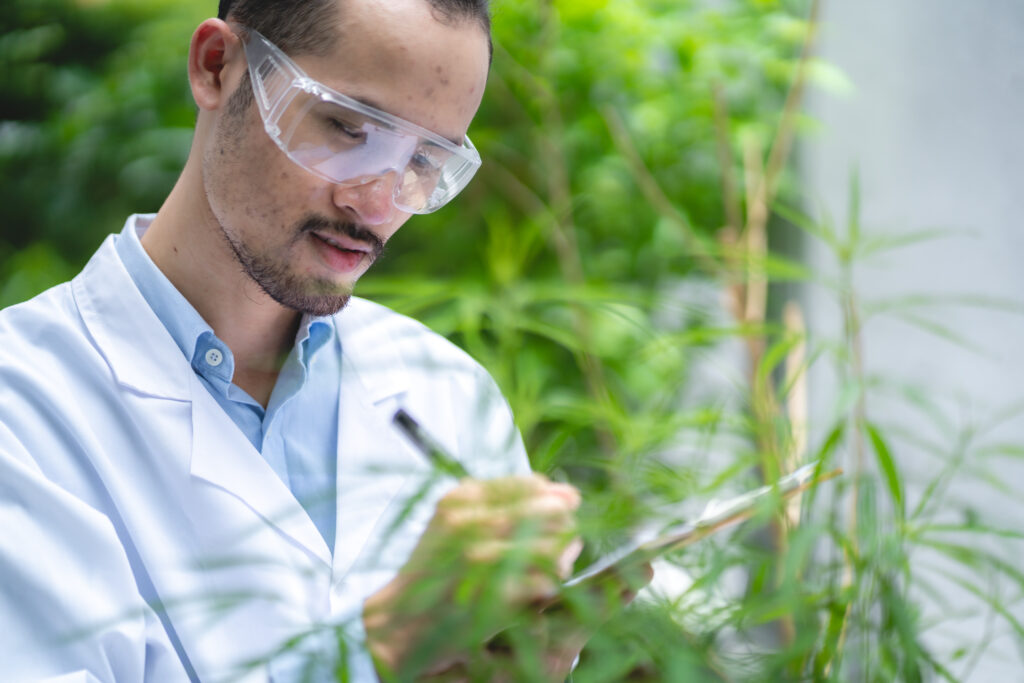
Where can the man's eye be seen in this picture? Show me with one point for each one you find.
(426, 160)
(421, 161)
(347, 129)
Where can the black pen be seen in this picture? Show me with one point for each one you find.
(427, 445)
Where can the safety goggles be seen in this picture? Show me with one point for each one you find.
(347, 142)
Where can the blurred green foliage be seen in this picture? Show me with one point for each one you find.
(95, 117)
(589, 266)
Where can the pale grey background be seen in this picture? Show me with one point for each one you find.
(934, 126)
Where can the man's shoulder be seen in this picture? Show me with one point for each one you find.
(360, 311)
(54, 317)
(38, 319)
(365, 325)
(46, 351)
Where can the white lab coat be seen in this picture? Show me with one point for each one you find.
(124, 485)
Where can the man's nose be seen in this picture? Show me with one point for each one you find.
(371, 199)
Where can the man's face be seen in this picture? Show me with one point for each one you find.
(302, 239)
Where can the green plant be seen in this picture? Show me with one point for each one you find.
(636, 168)
(625, 166)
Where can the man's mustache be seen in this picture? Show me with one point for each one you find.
(352, 230)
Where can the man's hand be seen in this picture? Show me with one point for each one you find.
(494, 551)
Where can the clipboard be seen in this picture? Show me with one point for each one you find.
(716, 516)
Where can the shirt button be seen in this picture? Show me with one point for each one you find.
(214, 357)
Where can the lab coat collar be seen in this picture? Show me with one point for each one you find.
(222, 456)
(140, 352)
(370, 350)
(374, 460)
(143, 356)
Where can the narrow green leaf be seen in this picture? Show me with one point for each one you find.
(1001, 450)
(991, 600)
(853, 211)
(970, 529)
(888, 467)
(776, 354)
(889, 241)
(923, 300)
(937, 667)
(820, 230)
(975, 559)
(944, 332)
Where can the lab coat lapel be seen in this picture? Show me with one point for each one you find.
(222, 456)
(137, 347)
(143, 357)
(374, 461)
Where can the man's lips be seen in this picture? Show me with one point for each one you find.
(344, 242)
(342, 254)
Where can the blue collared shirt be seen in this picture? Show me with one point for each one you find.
(297, 433)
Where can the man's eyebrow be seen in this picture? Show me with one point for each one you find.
(458, 142)
(368, 102)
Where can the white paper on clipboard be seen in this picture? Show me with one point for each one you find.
(716, 515)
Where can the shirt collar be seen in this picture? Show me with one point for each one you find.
(178, 316)
(313, 334)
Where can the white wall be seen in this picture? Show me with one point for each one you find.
(936, 128)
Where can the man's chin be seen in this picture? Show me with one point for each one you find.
(321, 306)
(318, 304)
(315, 296)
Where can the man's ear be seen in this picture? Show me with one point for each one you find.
(214, 53)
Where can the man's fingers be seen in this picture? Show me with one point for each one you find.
(508, 491)
(558, 643)
(528, 588)
(544, 514)
(556, 552)
(568, 558)
(509, 541)
(507, 508)
(637, 579)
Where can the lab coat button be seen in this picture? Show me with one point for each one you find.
(214, 357)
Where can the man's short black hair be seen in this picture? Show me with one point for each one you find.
(308, 27)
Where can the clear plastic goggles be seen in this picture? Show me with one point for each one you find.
(347, 142)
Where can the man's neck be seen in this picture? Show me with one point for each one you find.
(186, 244)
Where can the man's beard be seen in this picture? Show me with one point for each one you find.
(316, 297)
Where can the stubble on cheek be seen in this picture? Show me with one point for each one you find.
(243, 180)
(256, 196)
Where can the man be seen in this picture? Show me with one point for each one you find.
(198, 474)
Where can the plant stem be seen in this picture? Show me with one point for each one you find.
(567, 247)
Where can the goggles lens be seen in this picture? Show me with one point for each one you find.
(347, 142)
